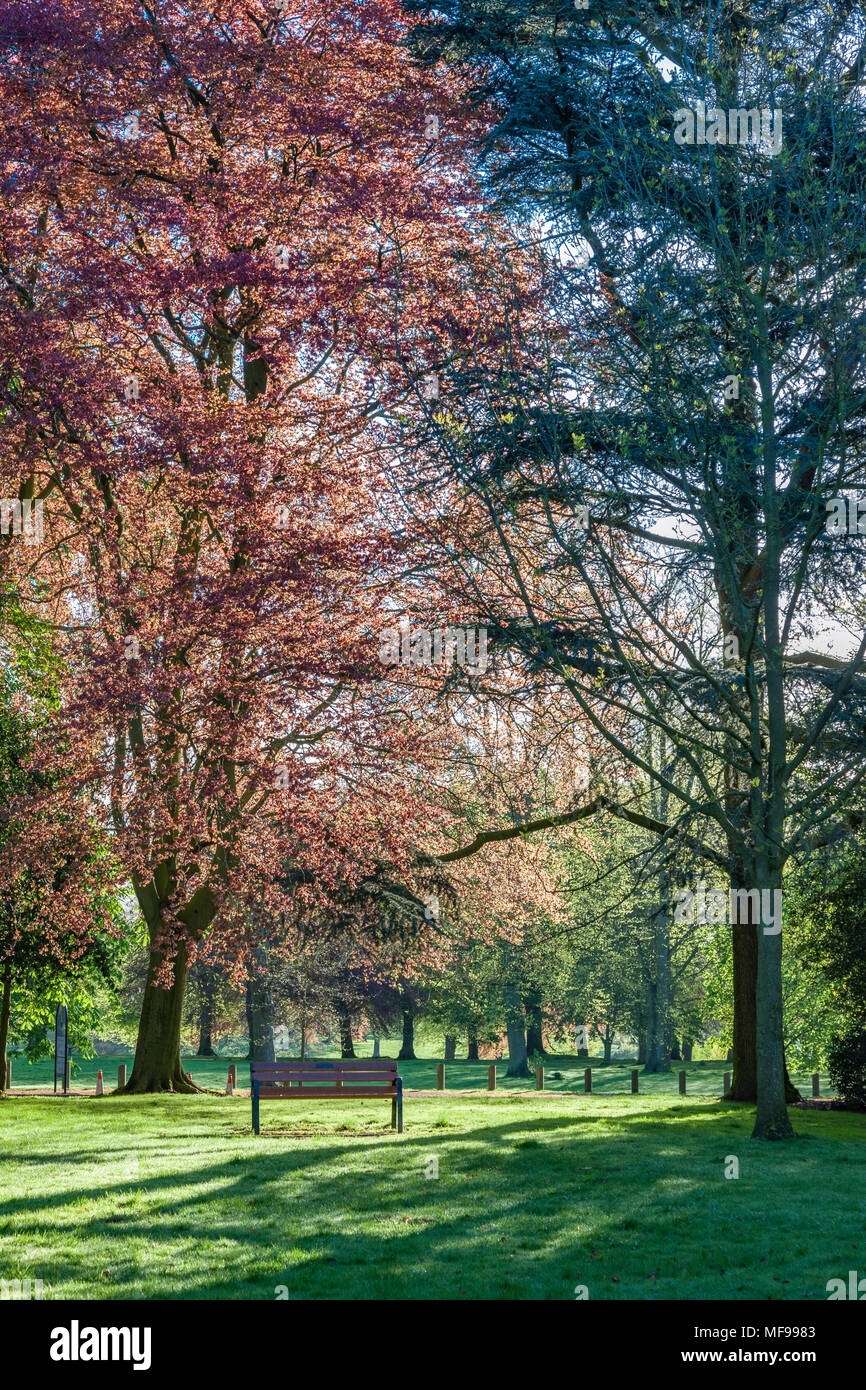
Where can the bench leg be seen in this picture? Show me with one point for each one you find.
(255, 1107)
(394, 1113)
(399, 1105)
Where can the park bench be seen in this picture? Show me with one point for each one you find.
(355, 1078)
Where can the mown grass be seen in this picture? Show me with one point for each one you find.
(172, 1197)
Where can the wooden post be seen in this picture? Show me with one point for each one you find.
(539, 1078)
(587, 1080)
(634, 1082)
(491, 1078)
(816, 1089)
(682, 1083)
(726, 1084)
(440, 1077)
(233, 1073)
(121, 1076)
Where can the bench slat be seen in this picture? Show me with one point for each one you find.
(325, 1092)
(328, 1061)
(312, 1066)
(350, 1064)
(323, 1078)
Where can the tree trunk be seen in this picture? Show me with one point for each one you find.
(687, 1051)
(407, 1051)
(5, 1013)
(743, 1054)
(260, 1015)
(516, 1031)
(303, 1033)
(642, 1047)
(658, 998)
(205, 1032)
(759, 1065)
(471, 1045)
(450, 1047)
(534, 1027)
(744, 1078)
(347, 1047)
(771, 1117)
(607, 1043)
(375, 1047)
(157, 1066)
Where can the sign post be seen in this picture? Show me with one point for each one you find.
(61, 1048)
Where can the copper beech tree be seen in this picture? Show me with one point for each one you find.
(208, 225)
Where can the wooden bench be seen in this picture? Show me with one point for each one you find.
(357, 1077)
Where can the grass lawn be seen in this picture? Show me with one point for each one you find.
(172, 1197)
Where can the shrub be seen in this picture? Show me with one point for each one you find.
(846, 1063)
